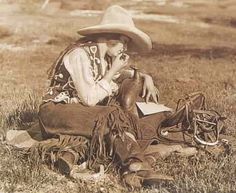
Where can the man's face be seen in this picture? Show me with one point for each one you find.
(116, 47)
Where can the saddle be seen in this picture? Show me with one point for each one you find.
(192, 123)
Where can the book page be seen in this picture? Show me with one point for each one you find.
(151, 108)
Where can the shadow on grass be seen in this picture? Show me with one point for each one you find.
(186, 50)
(23, 115)
(228, 22)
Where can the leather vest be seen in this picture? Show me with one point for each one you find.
(62, 89)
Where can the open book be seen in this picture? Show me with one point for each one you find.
(152, 108)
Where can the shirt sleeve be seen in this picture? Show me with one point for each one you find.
(79, 66)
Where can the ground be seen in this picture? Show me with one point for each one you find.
(194, 47)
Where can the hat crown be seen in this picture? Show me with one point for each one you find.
(118, 20)
(117, 15)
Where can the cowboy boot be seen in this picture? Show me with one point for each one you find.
(66, 161)
(140, 174)
(141, 178)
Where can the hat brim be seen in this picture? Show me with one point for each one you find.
(140, 42)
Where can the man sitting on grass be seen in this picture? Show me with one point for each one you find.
(87, 106)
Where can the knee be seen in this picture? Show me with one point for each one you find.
(44, 119)
(41, 112)
(42, 109)
(45, 111)
(128, 93)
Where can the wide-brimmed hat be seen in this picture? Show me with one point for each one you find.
(118, 20)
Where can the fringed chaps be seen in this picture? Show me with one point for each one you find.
(118, 122)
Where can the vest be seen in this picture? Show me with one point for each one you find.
(62, 89)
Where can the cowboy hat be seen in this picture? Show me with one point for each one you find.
(117, 20)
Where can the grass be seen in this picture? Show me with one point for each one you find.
(186, 58)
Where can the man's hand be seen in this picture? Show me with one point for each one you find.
(119, 63)
(149, 90)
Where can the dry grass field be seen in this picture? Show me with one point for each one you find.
(194, 53)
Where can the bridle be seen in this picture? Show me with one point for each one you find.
(201, 125)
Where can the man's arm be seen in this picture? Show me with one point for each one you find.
(89, 92)
(149, 90)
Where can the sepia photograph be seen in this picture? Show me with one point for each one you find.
(115, 96)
